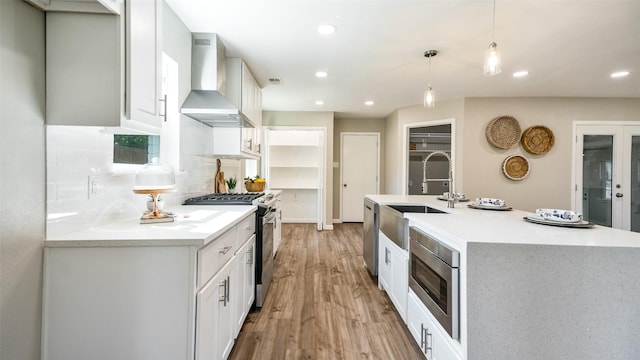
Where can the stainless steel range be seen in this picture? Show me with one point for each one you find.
(265, 226)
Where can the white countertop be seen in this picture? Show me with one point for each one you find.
(465, 225)
(193, 225)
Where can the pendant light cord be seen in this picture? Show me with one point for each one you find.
(493, 23)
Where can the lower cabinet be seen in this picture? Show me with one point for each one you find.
(244, 289)
(160, 302)
(393, 273)
(214, 316)
(432, 339)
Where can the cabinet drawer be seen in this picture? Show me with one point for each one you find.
(213, 256)
(246, 228)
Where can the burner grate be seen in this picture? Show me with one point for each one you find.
(224, 199)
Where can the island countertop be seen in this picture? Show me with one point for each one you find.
(193, 225)
(462, 225)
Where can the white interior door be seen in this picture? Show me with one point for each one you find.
(607, 166)
(360, 174)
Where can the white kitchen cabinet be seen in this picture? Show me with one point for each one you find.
(295, 165)
(105, 70)
(244, 288)
(85, 6)
(430, 336)
(161, 301)
(393, 273)
(243, 91)
(214, 323)
(144, 99)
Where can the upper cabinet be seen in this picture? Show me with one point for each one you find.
(144, 100)
(86, 6)
(105, 70)
(243, 91)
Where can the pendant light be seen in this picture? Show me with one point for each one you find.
(492, 56)
(429, 96)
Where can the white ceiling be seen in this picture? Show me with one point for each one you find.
(569, 47)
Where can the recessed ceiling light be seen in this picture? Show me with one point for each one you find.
(319, 102)
(368, 102)
(520, 73)
(322, 74)
(327, 29)
(619, 74)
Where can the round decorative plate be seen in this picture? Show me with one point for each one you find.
(515, 167)
(503, 132)
(538, 139)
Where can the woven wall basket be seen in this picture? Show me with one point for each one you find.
(515, 167)
(503, 132)
(538, 140)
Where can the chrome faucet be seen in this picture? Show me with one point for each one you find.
(451, 199)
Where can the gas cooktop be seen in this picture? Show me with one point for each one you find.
(224, 199)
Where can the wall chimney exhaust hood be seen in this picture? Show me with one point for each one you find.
(206, 101)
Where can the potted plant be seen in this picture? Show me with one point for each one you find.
(231, 184)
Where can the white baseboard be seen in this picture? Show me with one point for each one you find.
(337, 221)
(327, 227)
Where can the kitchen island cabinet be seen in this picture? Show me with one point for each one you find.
(531, 291)
(153, 291)
(393, 273)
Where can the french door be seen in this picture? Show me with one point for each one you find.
(607, 174)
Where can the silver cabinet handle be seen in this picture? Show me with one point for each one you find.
(227, 290)
(250, 252)
(423, 338)
(386, 256)
(164, 107)
(223, 290)
(225, 250)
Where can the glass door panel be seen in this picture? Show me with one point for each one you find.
(597, 164)
(634, 185)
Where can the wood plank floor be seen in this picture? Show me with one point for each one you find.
(323, 304)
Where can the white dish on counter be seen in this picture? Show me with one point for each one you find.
(490, 202)
(559, 215)
(533, 218)
(475, 205)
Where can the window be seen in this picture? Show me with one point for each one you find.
(135, 149)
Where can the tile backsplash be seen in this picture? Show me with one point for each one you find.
(83, 190)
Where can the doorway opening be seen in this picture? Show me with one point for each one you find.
(421, 140)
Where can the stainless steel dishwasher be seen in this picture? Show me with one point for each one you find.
(370, 236)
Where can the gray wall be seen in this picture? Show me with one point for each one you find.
(22, 178)
(478, 164)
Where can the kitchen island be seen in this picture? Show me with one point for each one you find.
(125, 290)
(530, 291)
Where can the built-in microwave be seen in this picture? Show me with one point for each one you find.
(434, 278)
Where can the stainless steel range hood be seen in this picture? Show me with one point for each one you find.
(206, 102)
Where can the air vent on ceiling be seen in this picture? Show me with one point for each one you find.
(275, 81)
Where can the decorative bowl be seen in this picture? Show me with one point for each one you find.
(559, 215)
(490, 202)
(255, 186)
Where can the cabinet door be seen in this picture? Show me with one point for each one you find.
(400, 280)
(244, 286)
(384, 266)
(214, 323)
(144, 61)
(207, 300)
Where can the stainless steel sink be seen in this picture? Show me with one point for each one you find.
(395, 226)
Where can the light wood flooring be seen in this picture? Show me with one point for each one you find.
(323, 304)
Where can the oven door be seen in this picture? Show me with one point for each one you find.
(436, 284)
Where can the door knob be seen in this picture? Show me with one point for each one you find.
(619, 195)
(344, 185)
